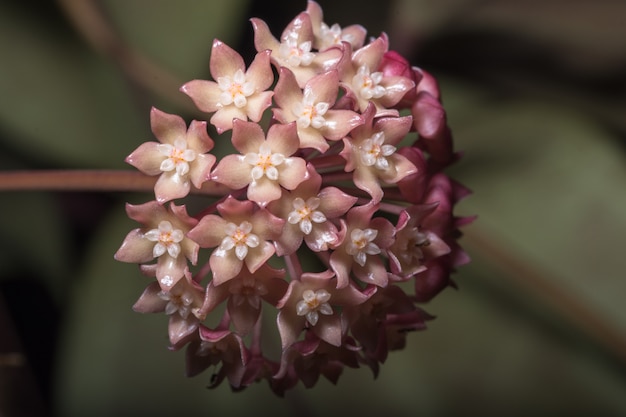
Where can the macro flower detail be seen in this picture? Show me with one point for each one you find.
(361, 244)
(236, 93)
(312, 108)
(324, 227)
(181, 157)
(304, 214)
(293, 50)
(265, 164)
(162, 237)
(167, 239)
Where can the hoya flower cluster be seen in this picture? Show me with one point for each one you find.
(335, 219)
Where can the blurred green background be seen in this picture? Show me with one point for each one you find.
(536, 96)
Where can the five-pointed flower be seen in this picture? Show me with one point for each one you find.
(314, 302)
(371, 152)
(362, 241)
(235, 93)
(181, 302)
(365, 83)
(310, 213)
(294, 50)
(242, 233)
(312, 109)
(162, 237)
(265, 164)
(180, 157)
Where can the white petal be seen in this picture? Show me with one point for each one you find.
(241, 251)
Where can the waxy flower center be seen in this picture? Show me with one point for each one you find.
(167, 239)
(264, 163)
(333, 35)
(415, 241)
(240, 238)
(374, 152)
(361, 244)
(235, 90)
(247, 290)
(309, 113)
(177, 156)
(367, 84)
(305, 215)
(176, 303)
(313, 303)
(295, 54)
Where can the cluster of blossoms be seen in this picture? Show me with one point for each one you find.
(331, 225)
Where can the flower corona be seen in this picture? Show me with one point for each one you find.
(332, 220)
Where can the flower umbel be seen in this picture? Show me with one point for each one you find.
(329, 217)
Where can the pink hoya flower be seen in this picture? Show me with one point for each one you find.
(180, 158)
(181, 303)
(314, 302)
(371, 152)
(163, 237)
(236, 93)
(330, 36)
(361, 75)
(310, 213)
(241, 233)
(311, 109)
(294, 50)
(265, 164)
(325, 227)
(245, 293)
(361, 242)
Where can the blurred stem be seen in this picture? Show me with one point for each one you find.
(91, 23)
(90, 180)
(543, 286)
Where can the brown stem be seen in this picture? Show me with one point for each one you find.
(90, 180)
(90, 21)
(543, 286)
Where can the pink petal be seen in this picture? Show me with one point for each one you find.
(224, 118)
(149, 301)
(325, 86)
(180, 328)
(334, 202)
(260, 71)
(283, 138)
(225, 265)
(197, 137)
(233, 172)
(204, 94)
(135, 248)
(247, 136)
(371, 54)
(328, 328)
(146, 158)
(287, 93)
(263, 38)
(289, 326)
(339, 123)
(263, 191)
(171, 186)
(259, 255)
(292, 172)
(225, 61)
(209, 232)
(257, 104)
(166, 127)
(200, 169)
(367, 180)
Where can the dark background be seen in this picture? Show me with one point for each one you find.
(535, 95)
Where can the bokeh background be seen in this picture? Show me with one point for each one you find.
(535, 92)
